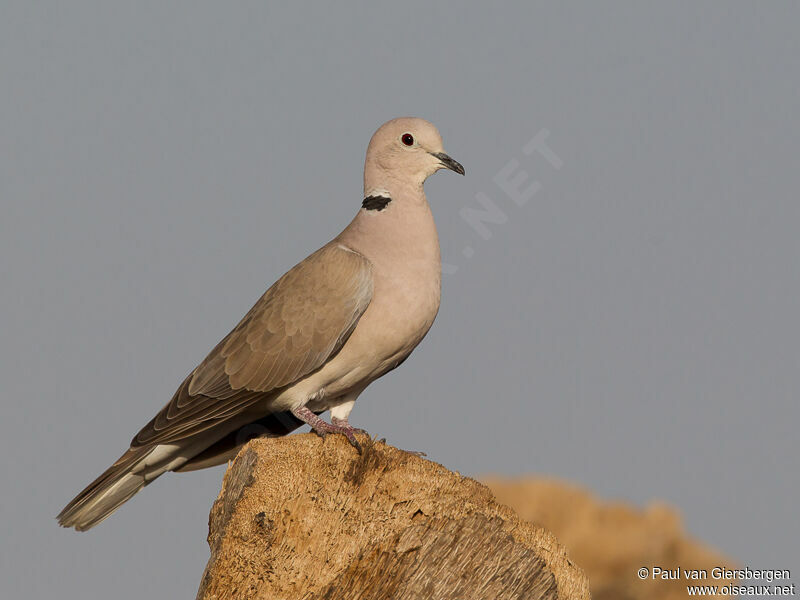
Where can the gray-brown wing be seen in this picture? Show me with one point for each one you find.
(293, 329)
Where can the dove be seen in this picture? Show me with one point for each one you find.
(346, 315)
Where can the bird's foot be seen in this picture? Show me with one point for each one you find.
(323, 428)
(344, 423)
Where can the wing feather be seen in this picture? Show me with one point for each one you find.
(294, 328)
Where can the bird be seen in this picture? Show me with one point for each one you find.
(344, 316)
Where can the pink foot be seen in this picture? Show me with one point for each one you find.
(322, 428)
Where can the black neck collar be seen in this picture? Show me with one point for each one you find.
(375, 202)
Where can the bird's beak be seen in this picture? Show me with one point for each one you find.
(449, 163)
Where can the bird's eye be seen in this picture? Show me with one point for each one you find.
(407, 139)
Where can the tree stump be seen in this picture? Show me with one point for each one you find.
(304, 518)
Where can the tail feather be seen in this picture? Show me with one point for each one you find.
(106, 493)
(141, 465)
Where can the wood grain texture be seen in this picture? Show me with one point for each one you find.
(303, 518)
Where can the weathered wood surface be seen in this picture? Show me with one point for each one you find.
(303, 518)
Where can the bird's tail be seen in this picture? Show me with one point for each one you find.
(141, 465)
(129, 474)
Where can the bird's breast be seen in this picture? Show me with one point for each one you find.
(402, 247)
(404, 305)
(405, 301)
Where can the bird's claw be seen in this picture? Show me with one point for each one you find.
(323, 429)
(343, 423)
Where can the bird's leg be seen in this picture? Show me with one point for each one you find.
(322, 428)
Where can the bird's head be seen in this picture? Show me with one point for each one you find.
(408, 150)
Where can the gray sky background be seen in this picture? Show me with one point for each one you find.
(633, 327)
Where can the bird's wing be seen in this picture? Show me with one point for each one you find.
(294, 328)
